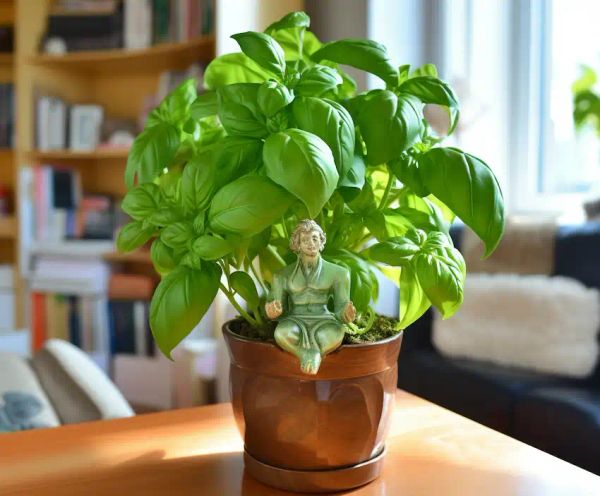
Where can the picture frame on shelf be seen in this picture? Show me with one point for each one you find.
(85, 127)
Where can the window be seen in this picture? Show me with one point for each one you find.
(513, 64)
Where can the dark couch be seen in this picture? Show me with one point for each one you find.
(560, 416)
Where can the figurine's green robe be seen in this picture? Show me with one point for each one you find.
(304, 296)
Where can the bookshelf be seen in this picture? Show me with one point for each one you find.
(120, 81)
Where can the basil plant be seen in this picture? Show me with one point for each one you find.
(218, 180)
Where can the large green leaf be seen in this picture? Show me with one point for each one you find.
(204, 105)
(163, 258)
(239, 112)
(413, 300)
(152, 151)
(178, 236)
(273, 97)
(441, 272)
(406, 168)
(317, 81)
(175, 107)
(211, 248)
(332, 123)
(389, 124)
(243, 285)
(303, 164)
(366, 55)
(248, 205)
(142, 201)
(264, 50)
(430, 89)
(297, 19)
(469, 188)
(179, 303)
(233, 68)
(353, 182)
(235, 156)
(398, 251)
(363, 282)
(197, 186)
(134, 235)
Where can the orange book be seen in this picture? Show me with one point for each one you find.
(38, 320)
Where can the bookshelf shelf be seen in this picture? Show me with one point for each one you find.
(8, 227)
(6, 58)
(154, 59)
(138, 256)
(100, 154)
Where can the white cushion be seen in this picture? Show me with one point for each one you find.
(77, 387)
(546, 324)
(23, 403)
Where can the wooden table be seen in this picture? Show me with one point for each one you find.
(431, 451)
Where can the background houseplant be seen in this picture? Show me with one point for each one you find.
(218, 180)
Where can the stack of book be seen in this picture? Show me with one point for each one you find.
(128, 312)
(68, 301)
(7, 115)
(106, 24)
(62, 212)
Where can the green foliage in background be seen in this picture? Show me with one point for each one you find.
(586, 100)
(219, 180)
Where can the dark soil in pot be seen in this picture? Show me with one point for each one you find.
(312, 433)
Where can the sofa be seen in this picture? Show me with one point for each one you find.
(59, 385)
(558, 415)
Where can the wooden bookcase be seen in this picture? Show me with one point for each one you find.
(119, 80)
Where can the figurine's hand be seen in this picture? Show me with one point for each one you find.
(349, 313)
(273, 309)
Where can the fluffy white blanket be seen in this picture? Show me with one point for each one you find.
(546, 324)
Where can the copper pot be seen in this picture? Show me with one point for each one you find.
(313, 433)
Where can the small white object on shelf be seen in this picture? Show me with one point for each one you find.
(85, 127)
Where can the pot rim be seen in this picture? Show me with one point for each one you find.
(227, 328)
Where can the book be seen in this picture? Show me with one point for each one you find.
(38, 320)
(137, 24)
(51, 123)
(160, 20)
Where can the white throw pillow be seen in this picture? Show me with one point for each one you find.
(545, 324)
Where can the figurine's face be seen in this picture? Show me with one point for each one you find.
(310, 243)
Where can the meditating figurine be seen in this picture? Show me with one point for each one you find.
(300, 296)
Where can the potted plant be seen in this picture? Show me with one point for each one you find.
(220, 181)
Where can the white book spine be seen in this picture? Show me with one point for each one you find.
(139, 323)
(138, 24)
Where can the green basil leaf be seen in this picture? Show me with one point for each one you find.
(437, 219)
(198, 185)
(469, 188)
(248, 205)
(425, 70)
(403, 73)
(273, 97)
(211, 131)
(236, 156)
(165, 216)
(406, 168)
(332, 123)
(263, 49)
(239, 112)
(317, 81)
(389, 124)
(133, 235)
(179, 303)
(362, 277)
(176, 105)
(178, 236)
(366, 55)
(259, 242)
(413, 300)
(211, 248)
(152, 150)
(441, 272)
(233, 68)
(430, 89)
(163, 258)
(303, 164)
(270, 262)
(142, 201)
(243, 285)
(398, 251)
(288, 21)
(205, 105)
(199, 223)
(353, 182)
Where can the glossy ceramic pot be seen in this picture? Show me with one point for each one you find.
(313, 433)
